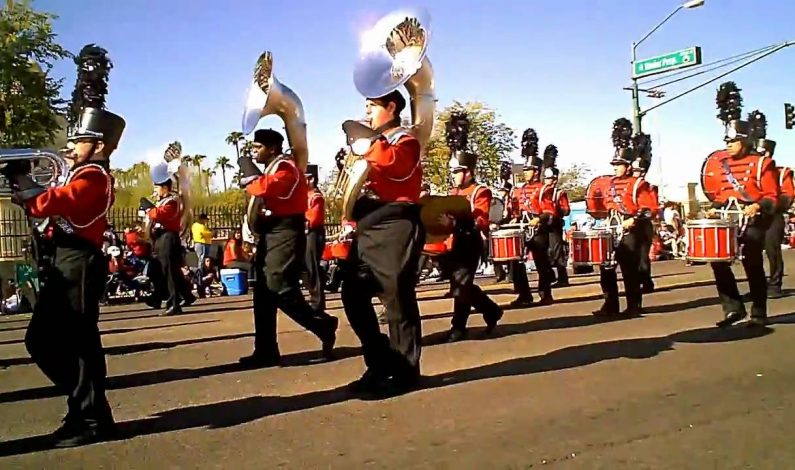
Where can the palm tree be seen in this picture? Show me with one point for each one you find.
(187, 159)
(208, 176)
(223, 164)
(234, 139)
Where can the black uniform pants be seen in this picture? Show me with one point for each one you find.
(278, 265)
(168, 251)
(539, 247)
(315, 243)
(383, 262)
(627, 255)
(752, 242)
(462, 263)
(63, 337)
(557, 250)
(774, 237)
(644, 263)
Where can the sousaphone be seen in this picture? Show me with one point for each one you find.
(266, 95)
(392, 54)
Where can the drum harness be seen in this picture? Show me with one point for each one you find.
(726, 212)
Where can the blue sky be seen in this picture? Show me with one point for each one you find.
(182, 68)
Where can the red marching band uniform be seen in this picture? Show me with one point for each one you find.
(749, 182)
(466, 250)
(630, 204)
(83, 202)
(555, 205)
(167, 214)
(527, 204)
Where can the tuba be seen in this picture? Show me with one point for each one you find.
(267, 95)
(48, 169)
(182, 174)
(393, 53)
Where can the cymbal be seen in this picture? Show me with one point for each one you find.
(434, 206)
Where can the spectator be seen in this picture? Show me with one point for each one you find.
(206, 277)
(202, 238)
(234, 254)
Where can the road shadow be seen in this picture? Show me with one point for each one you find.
(244, 410)
(154, 377)
(512, 329)
(128, 330)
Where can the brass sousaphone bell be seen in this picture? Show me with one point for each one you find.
(266, 95)
(393, 53)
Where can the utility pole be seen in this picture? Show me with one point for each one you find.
(637, 116)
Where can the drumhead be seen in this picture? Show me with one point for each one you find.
(605, 233)
(506, 233)
(708, 223)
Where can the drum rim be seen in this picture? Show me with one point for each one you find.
(709, 223)
(502, 233)
(584, 234)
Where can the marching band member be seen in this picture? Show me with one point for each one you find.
(166, 218)
(526, 205)
(463, 259)
(557, 206)
(63, 337)
(385, 253)
(315, 239)
(280, 250)
(501, 204)
(774, 236)
(632, 200)
(640, 167)
(750, 180)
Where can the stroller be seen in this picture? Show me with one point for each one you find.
(128, 278)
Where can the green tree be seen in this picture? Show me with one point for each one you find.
(574, 180)
(234, 139)
(31, 111)
(223, 164)
(489, 138)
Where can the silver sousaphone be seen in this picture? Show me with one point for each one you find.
(266, 95)
(393, 53)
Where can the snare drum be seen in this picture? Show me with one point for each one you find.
(711, 240)
(507, 245)
(434, 249)
(591, 247)
(327, 252)
(340, 249)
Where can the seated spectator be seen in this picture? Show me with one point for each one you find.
(235, 256)
(208, 278)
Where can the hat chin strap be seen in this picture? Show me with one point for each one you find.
(391, 124)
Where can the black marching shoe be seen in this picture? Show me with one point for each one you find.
(370, 382)
(632, 311)
(455, 335)
(757, 322)
(774, 293)
(74, 433)
(545, 300)
(491, 320)
(731, 318)
(330, 338)
(606, 310)
(522, 302)
(188, 300)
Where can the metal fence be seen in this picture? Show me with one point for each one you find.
(14, 231)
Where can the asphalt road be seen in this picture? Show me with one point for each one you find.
(552, 387)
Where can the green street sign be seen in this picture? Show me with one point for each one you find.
(667, 62)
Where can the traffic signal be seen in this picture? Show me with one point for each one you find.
(789, 116)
